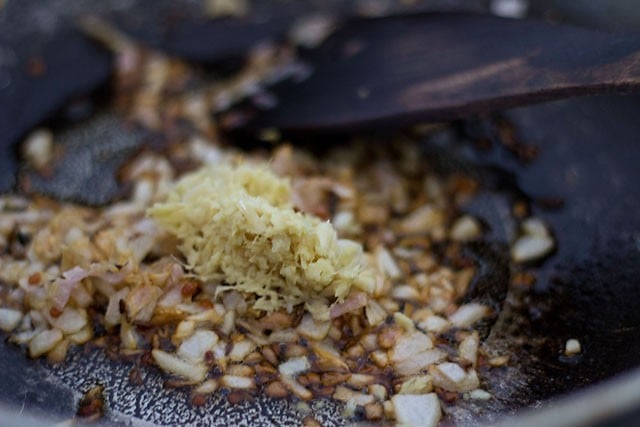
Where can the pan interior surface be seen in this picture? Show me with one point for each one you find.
(583, 183)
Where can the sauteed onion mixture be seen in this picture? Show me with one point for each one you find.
(272, 271)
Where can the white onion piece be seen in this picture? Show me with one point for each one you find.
(9, 319)
(297, 388)
(313, 329)
(81, 296)
(172, 297)
(141, 302)
(113, 315)
(82, 336)
(129, 337)
(465, 228)
(410, 345)
(417, 410)
(420, 362)
(70, 321)
(419, 384)
(44, 341)
(184, 329)
(479, 394)
(345, 394)
(207, 387)
(294, 366)
(387, 264)
(468, 314)
(177, 366)
(375, 313)
(234, 381)
(451, 377)
(435, 324)
(62, 288)
(194, 348)
(531, 247)
(353, 302)
(111, 277)
(241, 349)
(468, 348)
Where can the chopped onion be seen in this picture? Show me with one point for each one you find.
(410, 345)
(177, 366)
(284, 336)
(70, 321)
(375, 313)
(451, 377)
(234, 381)
(420, 362)
(141, 301)
(420, 384)
(294, 366)
(359, 381)
(62, 288)
(207, 387)
(405, 293)
(241, 349)
(172, 297)
(435, 324)
(378, 391)
(353, 302)
(184, 329)
(345, 394)
(468, 314)
(44, 341)
(572, 347)
(535, 227)
(194, 348)
(479, 394)
(112, 315)
(328, 357)
(82, 336)
(531, 247)
(387, 264)
(465, 228)
(296, 388)
(313, 329)
(468, 348)
(417, 410)
(129, 338)
(9, 319)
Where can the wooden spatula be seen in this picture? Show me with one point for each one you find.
(439, 66)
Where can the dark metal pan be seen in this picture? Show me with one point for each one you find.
(583, 182)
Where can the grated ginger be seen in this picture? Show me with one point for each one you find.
(236, 224)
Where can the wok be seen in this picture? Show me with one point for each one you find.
(583, 183)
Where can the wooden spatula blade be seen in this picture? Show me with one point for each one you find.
(440, 66)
